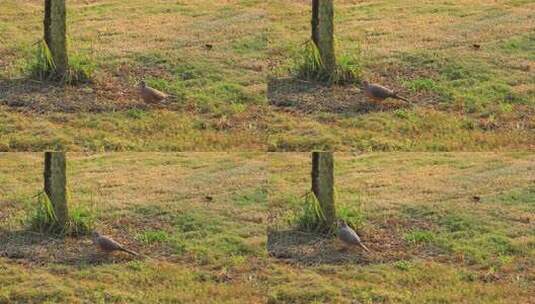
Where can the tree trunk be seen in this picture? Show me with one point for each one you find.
(323, 185)
(56, 184)
(323, 33)
(46, 21)
(55, 30)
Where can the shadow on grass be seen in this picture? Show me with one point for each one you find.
(27, 94)
(311, 97)
(29, 247)
(310, 249)
(384, 239)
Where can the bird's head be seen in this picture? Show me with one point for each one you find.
(365, 83)
(142, 83)
(341, 223)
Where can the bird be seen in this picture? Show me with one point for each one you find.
(379, 93)
(348, 236)
(108, 245)
(209, 46)
(150, 95)
(476, 46)
(476, 198)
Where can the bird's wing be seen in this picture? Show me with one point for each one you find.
(380, 91)
(157, 93)
(354, 235)
(349, 236)
(109, 244)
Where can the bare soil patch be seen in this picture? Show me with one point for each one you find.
(385, 241)
(32, 248)
(109, 92)
(310, 97)
(28, 95)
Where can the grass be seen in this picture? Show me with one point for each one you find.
(465, 99)
(43, 65)
(308, 66)
(310, 217)
(479, 96)
(453, 250)
(219, 92)
(44, 220)
(201, 219)
(196, 250)
(43, 68)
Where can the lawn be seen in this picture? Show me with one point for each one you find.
(441, 228)
(431, 239)
(462, 98)
(218, 92)
(240, 94)
(197, 219)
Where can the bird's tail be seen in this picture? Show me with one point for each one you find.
(401, 98)
(130, 251)
(364, 247)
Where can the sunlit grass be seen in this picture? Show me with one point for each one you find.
(426, 201)
(193, 250)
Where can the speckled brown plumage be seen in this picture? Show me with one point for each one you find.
(108, 245)
(379, 93)
(150, 95)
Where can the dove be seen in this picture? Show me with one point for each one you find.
(108, 245)
(150, 95)
(379, 93)
(348, 236)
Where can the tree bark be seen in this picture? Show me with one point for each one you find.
(323, 185)
(46, 21)
(323, 32)
(56, 184)
(55, 31)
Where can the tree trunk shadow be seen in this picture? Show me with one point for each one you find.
(310, 249)
(29, 247)
(314, 97)
(27, 94)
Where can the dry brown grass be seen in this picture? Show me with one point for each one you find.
(421, 223)
(153, 203)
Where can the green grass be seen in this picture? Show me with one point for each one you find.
(43, 68)
(310, 217)
(201, 250)
(307, 65)
(194, 251)
(217, 91)
(44, 220)
(456, 249)
(153, 236)
(479, 96)
(465, 99)
(418, 236)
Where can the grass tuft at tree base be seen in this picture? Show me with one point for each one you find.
(81, 220)
(43, 68)
(312, 219)
(308, 66)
